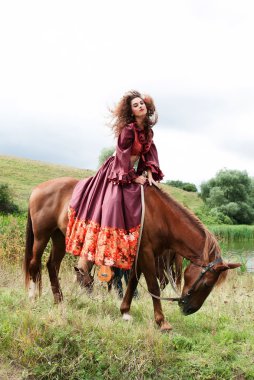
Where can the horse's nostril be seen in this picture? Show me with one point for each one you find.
(190, 310)
(187, 310)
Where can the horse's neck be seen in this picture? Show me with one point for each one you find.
(181, 230)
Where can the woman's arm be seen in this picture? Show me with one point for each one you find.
(150, 163)
(122, 171)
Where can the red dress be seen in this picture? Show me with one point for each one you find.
(105, 210)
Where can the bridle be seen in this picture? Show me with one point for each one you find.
(206, 268)
(184, 300)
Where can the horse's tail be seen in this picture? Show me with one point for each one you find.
(29, 248)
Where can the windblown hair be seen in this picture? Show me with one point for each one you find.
(122, 114)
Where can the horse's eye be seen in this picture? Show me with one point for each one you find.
(208, 284)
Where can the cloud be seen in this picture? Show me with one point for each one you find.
(63, 65)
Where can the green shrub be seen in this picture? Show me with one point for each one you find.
(7, 206)
(191, 187)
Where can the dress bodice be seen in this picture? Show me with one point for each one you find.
(142, 143)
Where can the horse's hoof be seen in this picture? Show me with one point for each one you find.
(58, 298)
(127, 317)
(32, 291)
(165, 327)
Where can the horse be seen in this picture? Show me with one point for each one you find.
(168, 227)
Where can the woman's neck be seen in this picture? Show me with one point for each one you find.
(140, 122)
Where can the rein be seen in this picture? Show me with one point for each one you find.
(139, 241)
(206, 268)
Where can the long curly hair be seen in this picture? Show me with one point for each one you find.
(122, 114)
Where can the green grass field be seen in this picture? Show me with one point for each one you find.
(85, 337)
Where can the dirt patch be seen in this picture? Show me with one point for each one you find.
(9, 371)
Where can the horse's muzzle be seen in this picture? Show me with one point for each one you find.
(186, 308)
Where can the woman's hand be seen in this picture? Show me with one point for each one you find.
(150, 178)
(141, 180)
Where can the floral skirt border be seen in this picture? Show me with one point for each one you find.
(102, 245)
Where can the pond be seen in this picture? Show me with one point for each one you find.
(241, 251)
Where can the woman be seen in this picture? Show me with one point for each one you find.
(105, 210)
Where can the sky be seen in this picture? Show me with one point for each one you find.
(64, 64)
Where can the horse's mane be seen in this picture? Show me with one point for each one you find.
(211, 243)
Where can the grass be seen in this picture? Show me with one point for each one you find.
(22, 175)
(233, 233)
(85, 338)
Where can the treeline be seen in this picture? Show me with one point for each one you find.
(228, 197)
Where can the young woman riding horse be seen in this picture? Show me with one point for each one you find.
(105, 210)
(104, 220)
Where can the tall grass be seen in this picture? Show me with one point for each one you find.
(229, 233)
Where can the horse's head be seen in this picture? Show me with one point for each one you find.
(199, 282)
(84, 278)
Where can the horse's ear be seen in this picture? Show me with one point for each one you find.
(233, 265)
(225, 266)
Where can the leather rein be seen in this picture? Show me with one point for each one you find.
(206, 268)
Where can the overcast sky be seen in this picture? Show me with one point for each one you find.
(63, 63)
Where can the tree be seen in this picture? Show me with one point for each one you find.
(230, 196)
(105, 154)
(6, 203)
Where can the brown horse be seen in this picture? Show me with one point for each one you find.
(168, 227)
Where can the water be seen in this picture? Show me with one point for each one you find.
(240, 251)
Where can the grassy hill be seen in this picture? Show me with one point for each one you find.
(23, 174)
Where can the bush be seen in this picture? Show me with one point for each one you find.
(7, 206)
(191, 187)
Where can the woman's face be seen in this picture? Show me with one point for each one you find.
(138, 108)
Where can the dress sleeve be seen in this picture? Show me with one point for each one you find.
(150, 160)
(122, 172)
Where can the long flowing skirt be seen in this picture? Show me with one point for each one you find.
(104, 220)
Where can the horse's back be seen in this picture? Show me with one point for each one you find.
(48, 203)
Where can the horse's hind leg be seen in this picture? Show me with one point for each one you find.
(54, 262)
(34, 267)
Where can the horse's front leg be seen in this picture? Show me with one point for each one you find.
(128, 296)
(147, 264)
